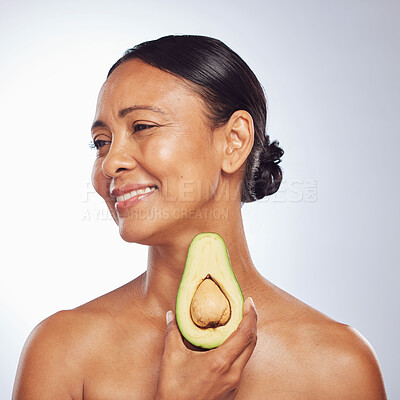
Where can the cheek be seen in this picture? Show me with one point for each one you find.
(102, 186)
(99, 181)
(175, 160)
(188, 170)
(184, 150)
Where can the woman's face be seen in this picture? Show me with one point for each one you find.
(151, 134)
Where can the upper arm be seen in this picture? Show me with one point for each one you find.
(354, 372)
(49, 367)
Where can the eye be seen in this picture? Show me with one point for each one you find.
(98, 143)
(141, 127)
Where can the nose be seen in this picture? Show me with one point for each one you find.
(118, 159)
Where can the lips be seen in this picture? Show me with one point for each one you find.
(134, 193)
(129, 195)
(122, 190)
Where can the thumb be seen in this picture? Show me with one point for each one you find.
(172, 335)
(169, 316)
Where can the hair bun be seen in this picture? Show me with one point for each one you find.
(268, 177)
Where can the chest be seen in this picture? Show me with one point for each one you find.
(124, 368)
(129, 370)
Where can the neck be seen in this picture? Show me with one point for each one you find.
(166, 263)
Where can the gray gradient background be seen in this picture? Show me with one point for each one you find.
(330, 236)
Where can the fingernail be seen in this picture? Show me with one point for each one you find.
(169, 316)
(252, 303)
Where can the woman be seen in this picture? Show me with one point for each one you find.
(180, 137)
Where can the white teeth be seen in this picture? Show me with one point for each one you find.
(129, 195)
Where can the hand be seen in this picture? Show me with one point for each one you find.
(208, 375)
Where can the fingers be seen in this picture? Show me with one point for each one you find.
(244, 339)
(243, 358)
(169, 316)
(173, 339)
(240, 343)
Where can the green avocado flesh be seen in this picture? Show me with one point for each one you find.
(209, 303)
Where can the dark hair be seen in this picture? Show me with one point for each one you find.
(226, 84)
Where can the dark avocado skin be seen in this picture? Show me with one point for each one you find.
(208, 257)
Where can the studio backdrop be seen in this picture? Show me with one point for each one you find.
(329, 236)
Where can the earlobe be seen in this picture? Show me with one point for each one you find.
(239, 139)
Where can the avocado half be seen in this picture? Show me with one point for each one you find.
(209, 303)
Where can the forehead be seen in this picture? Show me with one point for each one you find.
(137, 83)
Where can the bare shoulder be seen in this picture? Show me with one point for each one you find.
(50, 363)
(324, 358)
(348, 365)
(58, 350)
(340, 361)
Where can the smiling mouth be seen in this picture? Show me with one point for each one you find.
(134, 193)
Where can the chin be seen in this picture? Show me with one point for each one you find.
(141, 232)
(157, 231)
(155, 228)
(133, 232)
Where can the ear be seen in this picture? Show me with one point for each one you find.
(239, 139)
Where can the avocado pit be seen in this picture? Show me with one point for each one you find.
(210, 307)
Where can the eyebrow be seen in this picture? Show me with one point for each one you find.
(125, 111)
(98, 124)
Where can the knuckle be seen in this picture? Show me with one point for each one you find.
(169, 347)
(170, 357)
(255, 338)
(232, 384)
(169, 333)
(219, 365)
(249, 335)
